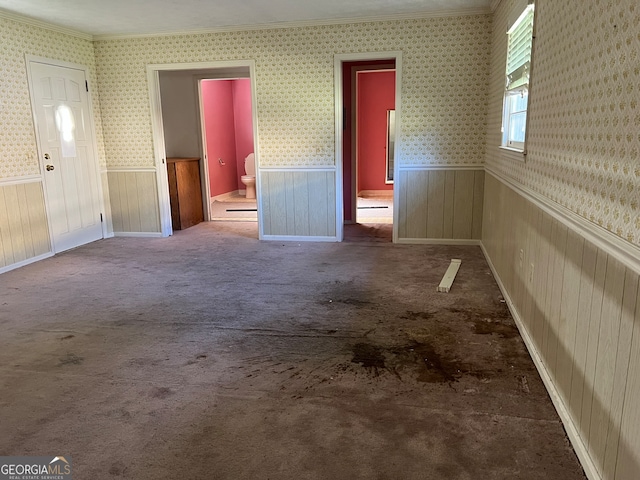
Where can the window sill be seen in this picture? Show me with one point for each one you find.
(513, 153)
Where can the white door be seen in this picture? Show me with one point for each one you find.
(67, 145)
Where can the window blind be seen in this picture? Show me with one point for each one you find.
(519, 50)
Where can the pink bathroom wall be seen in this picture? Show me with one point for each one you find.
(217, 100)
(376, 95)
(243, 123)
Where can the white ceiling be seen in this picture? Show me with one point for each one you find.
(130, 17)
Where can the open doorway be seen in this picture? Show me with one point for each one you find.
(369, 101)
(228, 141)
(374, 142)
(179, 112)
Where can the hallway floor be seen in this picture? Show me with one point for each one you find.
(211, 355)
(375, 209)
(234, 208)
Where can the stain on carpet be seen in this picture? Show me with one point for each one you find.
(161, 392)
(70, 359)
(488, 327)
(419, 359)
(117, 469)
(410, 315)
(371, 357)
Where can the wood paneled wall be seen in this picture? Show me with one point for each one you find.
(579, 308)
(440, 204)
(134, 201)
(24, 232)
(298, 203)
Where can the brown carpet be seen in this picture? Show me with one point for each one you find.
(211, 355)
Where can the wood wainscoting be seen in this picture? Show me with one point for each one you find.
(24, 233)
(577, 305)
(134, 201)
(440, 204)
(299, 203)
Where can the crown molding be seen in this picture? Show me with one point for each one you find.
(303, 24)
(45, 25)
(495, 4)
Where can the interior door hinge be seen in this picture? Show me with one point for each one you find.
(86, 84)
(101, 220)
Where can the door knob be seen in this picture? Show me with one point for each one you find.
(49, 168)
(46, 156)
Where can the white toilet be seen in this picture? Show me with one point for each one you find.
(249, 179)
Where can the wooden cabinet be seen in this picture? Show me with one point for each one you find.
(185, 192)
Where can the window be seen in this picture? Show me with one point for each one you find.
(516, 96)
(65, 123)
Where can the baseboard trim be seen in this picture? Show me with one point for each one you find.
(224, 196)
(572, 432)
(439, 241)
(376, 193)
(26, 262)
(619, 248)
(138, 234)
(298, 238)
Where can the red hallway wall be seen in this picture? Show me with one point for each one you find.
(229, 131)
(376, 95)
(346, 138)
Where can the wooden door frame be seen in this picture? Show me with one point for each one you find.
(29, 59)
(339, 59)
(153, 77)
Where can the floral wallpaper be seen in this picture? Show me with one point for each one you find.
(584, 123)
(444, 87)
(18, 153)
(584, 126)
